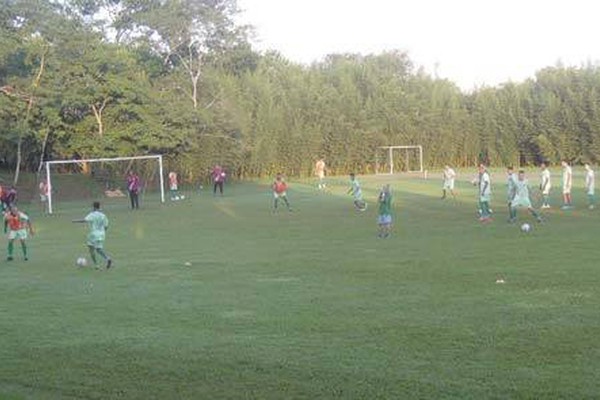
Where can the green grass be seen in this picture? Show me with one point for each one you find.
(306, 305)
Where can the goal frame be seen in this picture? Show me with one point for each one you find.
(158, 157)
(391, 149)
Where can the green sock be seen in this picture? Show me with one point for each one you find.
(513, 212)
(11, 246)
(24, 248)
(92, 254)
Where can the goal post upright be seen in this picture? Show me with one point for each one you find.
(48, 164)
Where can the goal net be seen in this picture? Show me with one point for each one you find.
(393, 159)
(101, 178)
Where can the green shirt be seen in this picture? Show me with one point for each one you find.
(97, 223)
(385, 203)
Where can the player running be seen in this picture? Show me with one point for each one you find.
(280, 192)
(567, 184)
(356, 192)
(484, 184)
(511, 181)
(520, 198)
(590, 186)
(320, 173)
(17, 224)
(545, 185)
(384, 220)
(98, 225)
(449, 176)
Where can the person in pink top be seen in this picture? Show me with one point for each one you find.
(133, 187)
(218, 176)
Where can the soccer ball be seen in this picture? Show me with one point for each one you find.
(181, 197)
(81, 262)
(525, 227)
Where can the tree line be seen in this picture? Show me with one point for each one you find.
(84, 79)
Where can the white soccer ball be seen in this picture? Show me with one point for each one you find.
(81, 262)
(525, 227)
(181, 197)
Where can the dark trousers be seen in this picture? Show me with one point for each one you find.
(218, 185)
(134, 198)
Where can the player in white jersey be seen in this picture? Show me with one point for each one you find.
(520, 198)
(449, 176)
(484, 194)
(567, 184)
(545, 185)
(511, 181)
(590, 186)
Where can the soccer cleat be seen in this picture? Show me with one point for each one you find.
(108, 263)
(9, 258)
(26, 259)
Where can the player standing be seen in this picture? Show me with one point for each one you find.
(44, 189)
(384, 220)
(320, 173)
(133, 187)
(485, 194)
(449, 176)
(545, 185)
(218, 176)
(280, 192)
(98, 225)
(510, 188)
(521, 198)
(567, 184)
(17, 224)
(173, 186)
(356, 192)
(590, 186)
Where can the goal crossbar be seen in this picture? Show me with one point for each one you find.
(158, 157)
(391, 149)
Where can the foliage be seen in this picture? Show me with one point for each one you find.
(123, 77)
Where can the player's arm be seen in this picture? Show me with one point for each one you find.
(78, 221)
(484, 187)
(30, 227)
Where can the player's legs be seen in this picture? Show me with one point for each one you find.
(535, 214)
(92, 252)
(443, 193)
(591, 201)
(545, 200)
(10, 249)
(24, 248)
(105, 256)
(287, 203)
(485, 210)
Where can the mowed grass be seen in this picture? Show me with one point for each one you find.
(308, 304)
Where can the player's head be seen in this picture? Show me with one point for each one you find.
(481, 168)
(521, 174)
(352, 175)
(587, 166)
(446, 167)
(96, 205)
(564, 163)
(385, 188)
(13, 210)
(543, 165)
(510, 169)
(278, 177)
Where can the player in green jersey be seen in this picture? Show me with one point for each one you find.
(510, 187)
(384, 219)
(98, 224)
(520, 198)
(356, 192)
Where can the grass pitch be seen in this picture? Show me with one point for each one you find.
(308, 304)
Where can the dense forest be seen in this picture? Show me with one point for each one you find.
(87, 78)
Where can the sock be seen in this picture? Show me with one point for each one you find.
(24, 248)
(485, 209)
(287, 203)
(535, 214)
(103, 254)
(92, 254)
(11, 246)
(275, 203)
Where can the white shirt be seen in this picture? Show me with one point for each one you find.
(485, 185)
(567, 178)
(589, 181)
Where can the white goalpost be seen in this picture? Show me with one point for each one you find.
(409, 165)
(48, 164)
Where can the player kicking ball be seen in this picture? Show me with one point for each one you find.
(280, 192)
(98, 224)
(17, 224)
(356, 192)
(384, 220)
(520, 198)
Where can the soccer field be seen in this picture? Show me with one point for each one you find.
(308, 304)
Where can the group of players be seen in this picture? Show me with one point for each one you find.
(518, 190)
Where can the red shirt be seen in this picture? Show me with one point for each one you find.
(279, 186)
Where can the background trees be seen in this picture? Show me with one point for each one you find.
(85, 78)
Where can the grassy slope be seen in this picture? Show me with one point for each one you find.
(306, 304)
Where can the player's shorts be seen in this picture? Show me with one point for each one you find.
(384, 219)
(521, 202)
(173, 188)
(546, 192)
(358, 196)
(485, 197)
(321, 175)
(95, 241)
(20, 234)
(43, 198)
(449, 184)
(566, 189)
(279, 195)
